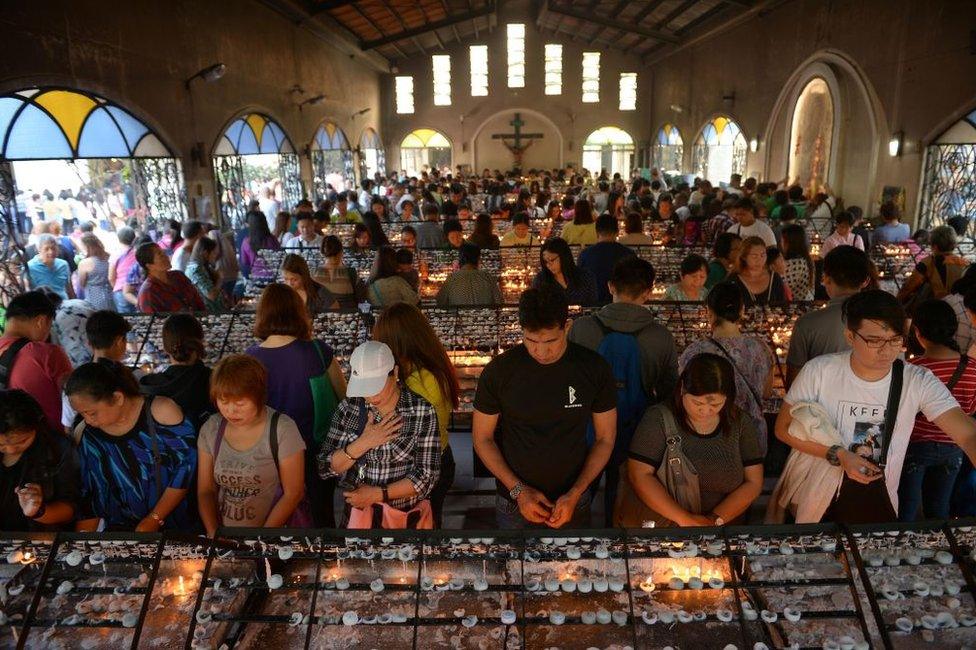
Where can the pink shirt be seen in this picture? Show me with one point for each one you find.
(123, 265)
(40, 369)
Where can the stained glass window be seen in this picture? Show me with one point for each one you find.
(628, 91)
(720, 150)
(332, 162)
(949, 185)
(668, 148)
(57, 123)
(373, 154)
(591, 77)
(252, 134)
(404, 95)
(479, 70)
(442, 79)
(554, 68)
(516, 55)
(424, 149)
(610, 149)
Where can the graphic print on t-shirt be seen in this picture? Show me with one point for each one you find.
(862, 426)
(239, 484)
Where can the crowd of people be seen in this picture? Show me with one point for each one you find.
(281, 435)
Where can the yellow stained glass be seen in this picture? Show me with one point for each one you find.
(720, 123)
(69, 110)
(330, 129)
(256, 122)
(424, 138)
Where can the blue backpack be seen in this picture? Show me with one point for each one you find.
(624, 356)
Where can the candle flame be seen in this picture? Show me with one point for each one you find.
(181, 590)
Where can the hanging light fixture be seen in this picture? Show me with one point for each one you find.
(209, 74)
(312, 101)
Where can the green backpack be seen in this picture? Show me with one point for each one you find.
(324, 398)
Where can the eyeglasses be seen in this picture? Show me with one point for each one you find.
(877, 344)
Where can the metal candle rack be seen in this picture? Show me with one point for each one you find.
(780, 586)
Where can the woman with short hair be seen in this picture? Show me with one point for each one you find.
(338, 279)
(252, 457)
(691, 287)
(186, 378)
(714, 435)
(759, 285)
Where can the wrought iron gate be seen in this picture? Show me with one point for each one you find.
(12, 256)
(231, 199)
(292, 190)
(949, 186)
(164, 191)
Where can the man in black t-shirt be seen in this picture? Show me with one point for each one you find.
(540, 396)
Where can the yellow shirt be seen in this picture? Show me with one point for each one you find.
(584, 234)
(424, 383)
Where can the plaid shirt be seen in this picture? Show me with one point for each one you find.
(178, 294)
(415, 454)
(718, 224)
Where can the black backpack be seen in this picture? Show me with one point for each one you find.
(7, 360)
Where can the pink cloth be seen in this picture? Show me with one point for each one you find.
(393, 518)
(123, 264)
(40, 369)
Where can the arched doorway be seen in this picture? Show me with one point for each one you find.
(811, 136)
(611, 149)
(331, 160)
(949, 183)
(424, 149)
(372, 156)
(669, 149)
(720, 150)
(87, 159)
(254, 156)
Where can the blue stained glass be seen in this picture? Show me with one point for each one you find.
(971, 118)
(233, 133)
(101, 138)
(132, 129)
(8, 107)
(279, 136)
(662, 137)
(247, 144)
(709, 134)
(269, 139)
(322, 139)
(35, 136)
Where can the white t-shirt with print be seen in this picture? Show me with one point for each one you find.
(857, 407)
(758, 229)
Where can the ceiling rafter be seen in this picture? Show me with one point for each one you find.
(430, 27)
(599, 20)
(614, 13)
(322, 7)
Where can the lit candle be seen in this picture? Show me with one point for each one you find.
(647, 585)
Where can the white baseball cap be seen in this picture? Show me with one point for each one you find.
(371, 364)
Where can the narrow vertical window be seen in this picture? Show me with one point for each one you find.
(516, 55)
(479, 70)
(442, 79)
(591, 77)
(554, 69)
(628, 91)
(404, 95)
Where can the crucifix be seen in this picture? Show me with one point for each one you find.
(517, 147)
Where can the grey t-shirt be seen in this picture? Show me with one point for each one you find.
(817, 332)
(247, 481)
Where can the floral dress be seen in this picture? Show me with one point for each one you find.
(798, 279)
(98, 292)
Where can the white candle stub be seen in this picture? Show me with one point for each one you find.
(350, 618)
(603, 617)
(685, 617)
(724, 615)
(74, 558)
(65, 587)
(573, 553)
(508, 617)
(616, 585)
(792, 614)
(342, 584)
(480, 584)
(943, 557)
(619, 617)
(588, 618)
(584, 585)
(469, 621)
(695, 583)
(649, 617)
(15, 590)
(557, 618)
(96, 558)
(666, 617)
(676, 583)
(601, 552)
(275, 581)
(295, 619)
(285, 552)
(129, 619)
(716, 583)
(769, 616)
(600, 585)
(203, 616)
(568, 585)
(552, 584)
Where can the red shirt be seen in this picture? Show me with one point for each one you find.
(178, 294)
(964, 391)
(40, 369)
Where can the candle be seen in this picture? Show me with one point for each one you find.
(647, 585)
(181, 589)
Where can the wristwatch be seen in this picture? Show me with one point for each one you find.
(516, 491)
(716, 520)
(831, 455)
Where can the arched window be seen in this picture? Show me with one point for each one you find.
(720, 150)
(611, 149)
(112, 163)
(331, 160)
(255, 160)
(949, 186)
(424, 149)
(372, 155)
(811, 136)
(668, 149)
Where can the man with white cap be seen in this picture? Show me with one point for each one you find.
(383, 443)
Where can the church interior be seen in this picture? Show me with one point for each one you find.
(419, 192)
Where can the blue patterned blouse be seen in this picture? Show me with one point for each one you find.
(118, 477)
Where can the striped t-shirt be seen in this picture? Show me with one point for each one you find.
(964, 391)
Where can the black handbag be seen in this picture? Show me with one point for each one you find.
(859, 503)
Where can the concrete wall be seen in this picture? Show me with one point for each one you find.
(898, 65)
(469, 115)
(139, 53)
